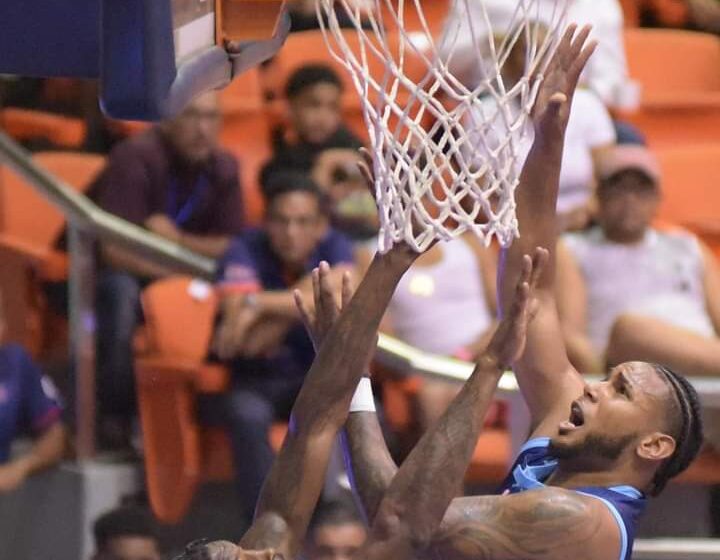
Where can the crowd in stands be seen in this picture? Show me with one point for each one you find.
(629, 286)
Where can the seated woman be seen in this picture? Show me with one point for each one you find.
(445, 304)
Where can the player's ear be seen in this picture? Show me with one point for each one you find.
(656, 447)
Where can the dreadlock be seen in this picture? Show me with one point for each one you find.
(687, 428)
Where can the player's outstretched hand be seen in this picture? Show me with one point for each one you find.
(322, 315)
(508, 343)
(552, 105)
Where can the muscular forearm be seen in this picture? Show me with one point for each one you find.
(368, 460)
(536, 198)
(48, 450)
(297, 476)
(432, 475)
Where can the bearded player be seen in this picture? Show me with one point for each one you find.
(597, 450)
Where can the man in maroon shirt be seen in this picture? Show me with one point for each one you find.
(175, 181)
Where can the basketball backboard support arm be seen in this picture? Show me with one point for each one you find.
(147, 69)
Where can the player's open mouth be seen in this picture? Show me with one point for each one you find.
(576, 420)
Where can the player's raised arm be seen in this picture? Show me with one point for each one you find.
(547, 379)
(431, 476)
(293, 486)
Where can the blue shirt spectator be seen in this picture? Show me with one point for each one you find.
(251, 266)
(28, 406)
(28, 400)
(259, 334)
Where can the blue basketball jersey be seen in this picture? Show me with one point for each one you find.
(535, 465)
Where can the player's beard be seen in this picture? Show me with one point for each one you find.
(594, 446)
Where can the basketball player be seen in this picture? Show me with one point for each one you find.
(417, 498)
(596, 450)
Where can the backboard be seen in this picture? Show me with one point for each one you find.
(150, 56)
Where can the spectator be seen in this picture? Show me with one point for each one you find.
(606, 73)
(319, 144)
(451, 280)
(174, 181)
(126, 533)
(628, 288)
(336, 532)
(313, 93)
(259, 333)
(28, 405)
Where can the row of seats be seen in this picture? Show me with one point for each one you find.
(180, 454)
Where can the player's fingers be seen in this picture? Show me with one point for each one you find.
(365, 166)
(568, 35)
(581, 38)
(326, 291)
(302, 308)
(526, 271)
(347, 293)
(316, 286)
(582, 60)
(540, 258)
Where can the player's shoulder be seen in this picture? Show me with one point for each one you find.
(578, 519)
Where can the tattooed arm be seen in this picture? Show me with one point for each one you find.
(545, 524)
(431, 476)
(295, 481)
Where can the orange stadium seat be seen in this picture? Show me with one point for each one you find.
(246, 133)
(679, 72)
(178, 327)
(310, 47)
(434, 12)
(180, 454)
(27, 124)
(29, 227)
(492, 456)
(691, 185)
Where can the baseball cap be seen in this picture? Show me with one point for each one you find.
(625, 158)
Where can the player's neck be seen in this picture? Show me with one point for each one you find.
(567, 477)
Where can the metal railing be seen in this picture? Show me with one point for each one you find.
(88, 224)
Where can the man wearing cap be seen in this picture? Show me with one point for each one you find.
(628, 290)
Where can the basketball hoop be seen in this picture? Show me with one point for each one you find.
(444, 152)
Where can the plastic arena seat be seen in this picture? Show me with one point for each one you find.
(246, 133)
(309, 47)
(435, 12)
(679, 72)
(26, 125)
(180, 453)
(29, 227)
(691, 185)
(492, 456)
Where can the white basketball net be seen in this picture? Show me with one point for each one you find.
(445, 153)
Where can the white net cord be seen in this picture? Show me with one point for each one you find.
(444, 149)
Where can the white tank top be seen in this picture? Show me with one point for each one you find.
(661, 277)
(442, 307)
